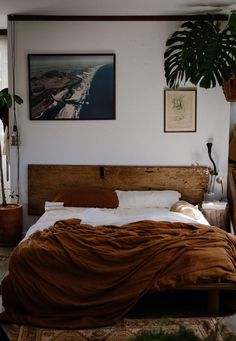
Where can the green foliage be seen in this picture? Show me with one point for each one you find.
(6, 99)
(232, 23)
(201, 52)
(183, 334)
(180, 335)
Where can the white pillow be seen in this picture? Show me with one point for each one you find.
(139, 199)
(49, 205)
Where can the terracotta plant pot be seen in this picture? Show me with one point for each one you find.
(229, 88)
(11, 224)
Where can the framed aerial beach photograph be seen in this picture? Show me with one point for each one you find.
(180, 110)
(72, 86)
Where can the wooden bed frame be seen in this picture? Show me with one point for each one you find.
(44, 181)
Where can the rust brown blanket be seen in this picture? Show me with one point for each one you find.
(72, 275)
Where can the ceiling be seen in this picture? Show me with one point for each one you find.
(110, 7)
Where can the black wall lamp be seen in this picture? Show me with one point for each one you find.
(213, 174)
(209, 147)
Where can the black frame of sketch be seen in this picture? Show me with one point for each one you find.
(72, 86)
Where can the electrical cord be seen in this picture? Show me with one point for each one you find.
(15, 125)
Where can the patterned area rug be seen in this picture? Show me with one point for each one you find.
(122, 331)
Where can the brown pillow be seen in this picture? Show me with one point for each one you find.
(88, 197)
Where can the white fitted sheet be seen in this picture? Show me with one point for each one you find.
(106, 216)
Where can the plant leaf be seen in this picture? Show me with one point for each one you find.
(18, 99)
(232, 23)
(199, 52)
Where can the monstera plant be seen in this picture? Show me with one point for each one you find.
(202, 51)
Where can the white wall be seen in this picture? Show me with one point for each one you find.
(136, 136)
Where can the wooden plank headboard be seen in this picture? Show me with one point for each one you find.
(44, 181)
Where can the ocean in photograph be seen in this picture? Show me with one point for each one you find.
(101, 97)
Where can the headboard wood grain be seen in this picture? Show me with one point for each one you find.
(44, 181)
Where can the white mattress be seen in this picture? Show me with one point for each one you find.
(104, 216)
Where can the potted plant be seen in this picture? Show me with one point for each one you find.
(10, 214)
(203, 52)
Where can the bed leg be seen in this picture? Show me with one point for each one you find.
(213, 301)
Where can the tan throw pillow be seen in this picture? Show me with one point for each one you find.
(187, 209)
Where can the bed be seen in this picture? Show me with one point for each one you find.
(231, 192)
(107, 236)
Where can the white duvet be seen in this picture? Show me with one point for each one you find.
(105, 216)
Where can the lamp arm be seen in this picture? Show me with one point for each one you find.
(209, 146)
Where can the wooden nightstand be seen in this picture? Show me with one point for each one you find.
(217, 213)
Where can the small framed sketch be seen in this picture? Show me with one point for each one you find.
(180, 107)
(72, 86)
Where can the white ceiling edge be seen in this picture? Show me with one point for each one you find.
(108, 7)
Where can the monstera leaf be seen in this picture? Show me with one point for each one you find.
(232, 23)
(200, 53)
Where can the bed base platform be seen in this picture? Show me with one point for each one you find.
(213, 293)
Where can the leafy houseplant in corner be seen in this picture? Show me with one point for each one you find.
(203, 52)
(10, 213)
